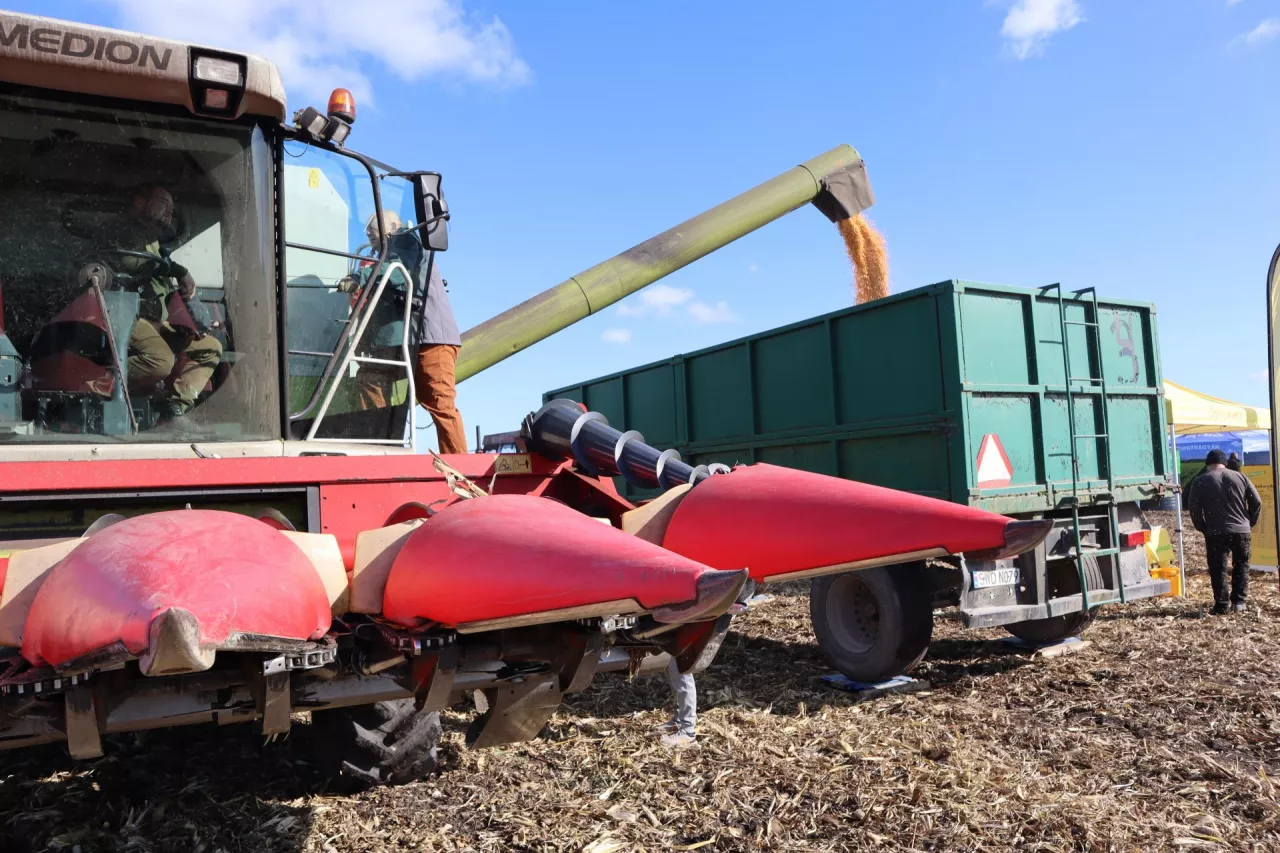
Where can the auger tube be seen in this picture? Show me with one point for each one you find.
(564, 430)
(836, 182)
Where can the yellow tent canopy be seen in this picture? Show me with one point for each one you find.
(1190, 412)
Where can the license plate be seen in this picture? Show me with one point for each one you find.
(995, 577)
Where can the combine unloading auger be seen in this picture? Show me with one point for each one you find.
(835, 182)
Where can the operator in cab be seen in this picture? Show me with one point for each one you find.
(434, 339)
(132, 246)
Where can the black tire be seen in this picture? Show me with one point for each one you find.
(389, 743)
(1055, 629)
(873, 624)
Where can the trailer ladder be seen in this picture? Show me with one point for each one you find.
(1094, 386)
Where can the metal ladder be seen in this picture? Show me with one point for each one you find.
(349, 358)
(1097, 385)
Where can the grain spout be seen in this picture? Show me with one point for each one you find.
(866, 249)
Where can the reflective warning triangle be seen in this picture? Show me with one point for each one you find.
(994, 468)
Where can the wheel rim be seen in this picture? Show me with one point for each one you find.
(853, 614)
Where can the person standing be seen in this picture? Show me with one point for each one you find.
(1225, 507)
(433, 336)
(437, 357)
(1233, 462)
(681, 729)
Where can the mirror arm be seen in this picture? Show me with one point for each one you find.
(432, 221)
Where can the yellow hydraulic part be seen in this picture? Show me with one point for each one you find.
(1160, 559)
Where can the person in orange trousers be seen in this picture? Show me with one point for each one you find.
(433, 379)
(434, 334)
(433, 370)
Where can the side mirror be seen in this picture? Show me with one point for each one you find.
(432, 210)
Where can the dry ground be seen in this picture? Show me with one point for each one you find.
(1164, 734)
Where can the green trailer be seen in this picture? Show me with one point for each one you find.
(1032, 403)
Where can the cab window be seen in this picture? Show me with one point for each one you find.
(345, 383)
(135, 276)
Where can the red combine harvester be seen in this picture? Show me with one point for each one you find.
(235, 531)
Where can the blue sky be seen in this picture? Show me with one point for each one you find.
(1130, 146)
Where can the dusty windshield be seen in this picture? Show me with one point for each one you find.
(330, 260)
(137, 300)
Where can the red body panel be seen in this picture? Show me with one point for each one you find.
(141, 474)
(346, 509)
(510, 555)
(357, 493)
(233, 573)
(780, 520)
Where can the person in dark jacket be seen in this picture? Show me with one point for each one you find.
(1225, 507)
(1233, 462)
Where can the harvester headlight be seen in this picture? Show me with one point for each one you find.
(321, 127)
(217, 82)
(211, 69)
(313, 123)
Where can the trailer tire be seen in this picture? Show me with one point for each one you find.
(388, 743)
(1055, 629)
(873, 624)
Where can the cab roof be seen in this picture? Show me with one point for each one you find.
(70, 57)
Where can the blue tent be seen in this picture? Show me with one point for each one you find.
(1252, 445)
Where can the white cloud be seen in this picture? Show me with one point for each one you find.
(1030, 23)
(753, 268)
(663, 300)
(664, 297)
(321, 44)
(1267, 30)
(1232, 2)
(703, 313)
(657, 299)
(1260, 375)
(616, 336)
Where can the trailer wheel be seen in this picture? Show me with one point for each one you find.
(873, 624)
(1055, 629)
(389, 743)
